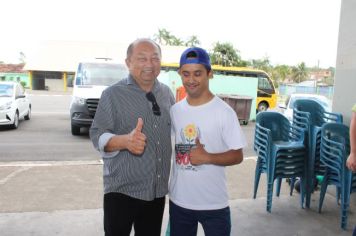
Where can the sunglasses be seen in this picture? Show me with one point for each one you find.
(155, 108)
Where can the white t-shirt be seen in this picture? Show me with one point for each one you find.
(202, 187)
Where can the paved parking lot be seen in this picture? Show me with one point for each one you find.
(64, 196)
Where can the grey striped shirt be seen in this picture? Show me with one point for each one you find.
(146, 176)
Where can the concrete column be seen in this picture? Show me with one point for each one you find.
(30, 78)
(345, 75)
(65, 81)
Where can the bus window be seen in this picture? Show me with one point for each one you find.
(264, 84)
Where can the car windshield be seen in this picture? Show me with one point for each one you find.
(103, 74)
(6, 90)
(322, 102)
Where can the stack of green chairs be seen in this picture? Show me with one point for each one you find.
(281, 152)
(335, 148)
(310, 116)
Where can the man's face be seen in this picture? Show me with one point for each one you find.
(195, 79)
(145, 63)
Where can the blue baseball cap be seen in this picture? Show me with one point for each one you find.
(195, 55)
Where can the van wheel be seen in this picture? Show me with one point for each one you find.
(75, 130)
(262, 106)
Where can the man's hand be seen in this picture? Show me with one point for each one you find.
(136, 139)
(351, 162)
(198, 155)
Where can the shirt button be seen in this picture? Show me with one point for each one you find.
(159, 159)
(159, 176)
(155, 126)
(158, 142)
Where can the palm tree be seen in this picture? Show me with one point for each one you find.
(22, 57)
(280, 73)
(176, 41)
(163, 37)
(192, 41)
(299, 73)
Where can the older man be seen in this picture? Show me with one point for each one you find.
(131, 129)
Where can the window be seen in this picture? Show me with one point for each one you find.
(263, 83)
(102, 74)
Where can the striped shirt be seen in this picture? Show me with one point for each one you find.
(145, 176)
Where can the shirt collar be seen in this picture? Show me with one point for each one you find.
(132, 81)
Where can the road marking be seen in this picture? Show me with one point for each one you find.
(65, 163)
(13, 174)
(49, 95)
(48, 163)
(50, 112)
(251, 158)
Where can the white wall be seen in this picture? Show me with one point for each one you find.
(345, 77)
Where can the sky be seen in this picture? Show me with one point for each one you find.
(286, 31)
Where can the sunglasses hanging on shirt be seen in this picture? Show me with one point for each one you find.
(155, 108)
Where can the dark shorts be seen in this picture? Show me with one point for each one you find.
(185, 221)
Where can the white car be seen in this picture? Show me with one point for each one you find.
(287, 108)
(14, 104)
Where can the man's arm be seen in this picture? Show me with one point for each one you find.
(199, 156)
(351, 160)
(135, 141)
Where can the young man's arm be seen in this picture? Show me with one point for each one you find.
(351, 160)
(199, 156)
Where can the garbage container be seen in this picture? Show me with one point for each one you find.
(240, 104)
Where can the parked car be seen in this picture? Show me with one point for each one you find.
(14, 104)
(287, 108)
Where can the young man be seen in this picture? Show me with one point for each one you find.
(208, 137)
(351, 160)
(132, 131)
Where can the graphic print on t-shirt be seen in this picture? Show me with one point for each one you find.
(188, 135)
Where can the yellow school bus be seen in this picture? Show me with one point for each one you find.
(266, 92)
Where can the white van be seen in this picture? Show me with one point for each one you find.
(89, 82)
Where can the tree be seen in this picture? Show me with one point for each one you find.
(280, 73)
(164, 37)
(299, 73)
(176, 41)
(262, 64)
(192, 41)
(226, 55)
(22, 58)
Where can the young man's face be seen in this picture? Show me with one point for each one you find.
(145, 62)
(195, 79)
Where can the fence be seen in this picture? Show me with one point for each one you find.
(285, 90)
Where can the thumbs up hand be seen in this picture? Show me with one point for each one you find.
(198, 155)
(136, 139)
